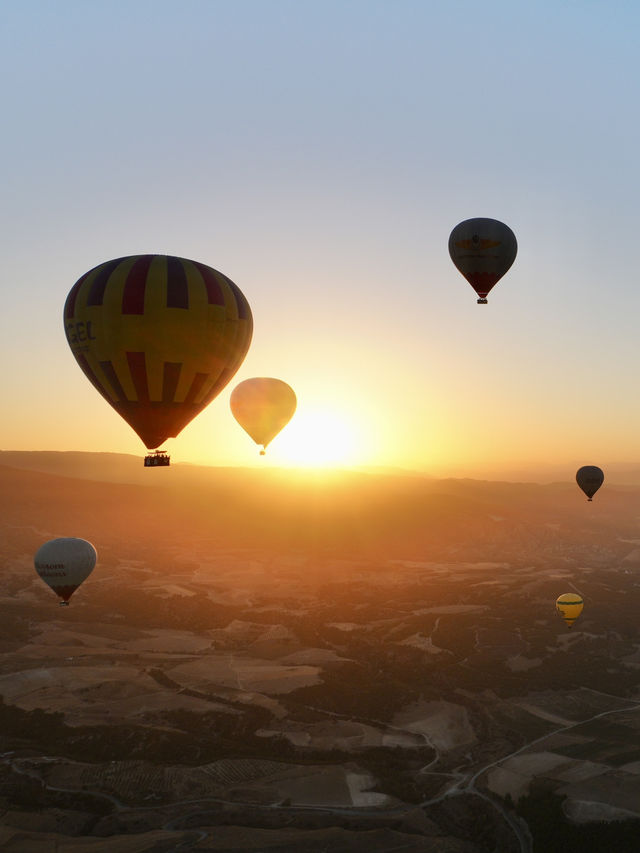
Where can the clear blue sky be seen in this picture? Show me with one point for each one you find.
(319, 153)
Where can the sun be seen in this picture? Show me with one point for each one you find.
(317, 439)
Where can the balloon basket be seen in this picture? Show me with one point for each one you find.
(482, 301)
(157, 459)
(64, 604)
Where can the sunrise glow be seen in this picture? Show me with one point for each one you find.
(317, 439)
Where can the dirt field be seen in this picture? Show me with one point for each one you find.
(594, 791)
(20, 841)
(445, 724)
(94, 695)
(425, 644)
(243, 673)
(338, 734)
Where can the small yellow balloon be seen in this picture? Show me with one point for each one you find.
(569, 607)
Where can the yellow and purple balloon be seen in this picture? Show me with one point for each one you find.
(159, 337)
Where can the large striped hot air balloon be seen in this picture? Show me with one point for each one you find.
(263, 406)
(63, 564)
(482, 250)
(159, 337)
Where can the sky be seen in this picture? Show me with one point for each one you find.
(319, 154)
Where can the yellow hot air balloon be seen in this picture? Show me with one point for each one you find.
(159, 337)
(263, 406)
(483, 250)
(569, 607)
(63, 564)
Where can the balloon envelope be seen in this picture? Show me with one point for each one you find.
(590, 478)
(64, 564)
(263, 406)
(482, 250)
(569, 607)
(159, 337)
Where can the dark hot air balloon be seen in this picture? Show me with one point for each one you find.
(590, 478)
(482, 250)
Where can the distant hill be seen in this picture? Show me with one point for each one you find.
(107, 496)
(126, 468)
(110, 467)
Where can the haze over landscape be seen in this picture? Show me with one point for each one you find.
(351, 643)
(268, 660)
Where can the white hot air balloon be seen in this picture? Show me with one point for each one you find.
(63, 564)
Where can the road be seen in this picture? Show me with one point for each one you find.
(468, 784)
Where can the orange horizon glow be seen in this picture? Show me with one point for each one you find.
(317, 438)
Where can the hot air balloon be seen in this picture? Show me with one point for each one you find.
(482, 250)
(263, 406)
(159, 337)
(64, 564)
(590, 478)
(569, 607)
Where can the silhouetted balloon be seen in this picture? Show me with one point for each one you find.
(482, 250)
(64, 564)
(590, 478)
(263, 406)
(569, 607)
(159, 337)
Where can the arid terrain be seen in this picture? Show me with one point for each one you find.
(264, 661)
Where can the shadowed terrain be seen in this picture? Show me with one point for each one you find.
(306, 661)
